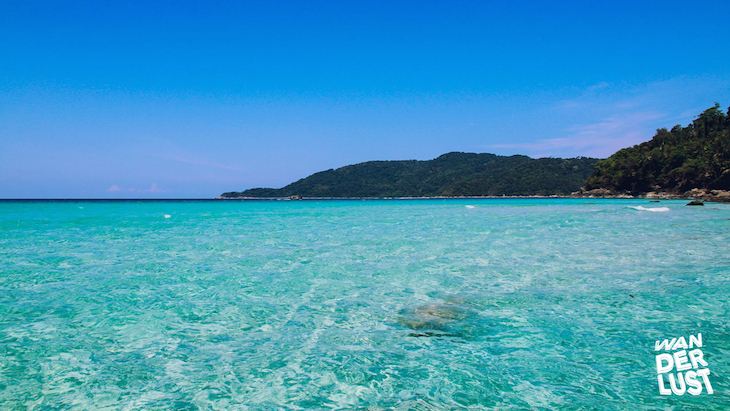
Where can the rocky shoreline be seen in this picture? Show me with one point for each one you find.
(718, 196)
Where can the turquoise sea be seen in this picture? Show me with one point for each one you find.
(550, 304)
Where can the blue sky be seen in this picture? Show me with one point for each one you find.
(188, 99)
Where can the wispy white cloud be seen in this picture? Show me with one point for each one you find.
(598, 139)
(600, 119)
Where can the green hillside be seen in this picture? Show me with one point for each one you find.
(676, 160)
(452, 174)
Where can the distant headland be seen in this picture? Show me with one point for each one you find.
(684, 162)
(449, 175)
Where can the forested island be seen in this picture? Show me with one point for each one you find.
(686, 161)
(452, 174)
(691, 161)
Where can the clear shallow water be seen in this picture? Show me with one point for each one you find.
(424, 304)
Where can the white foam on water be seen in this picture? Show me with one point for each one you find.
(654, 209)
(469, 206)
(167, 216)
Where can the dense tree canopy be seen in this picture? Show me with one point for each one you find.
(452, 174)
(677, 160)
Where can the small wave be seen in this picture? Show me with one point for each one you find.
(654, 209)
(469, 206)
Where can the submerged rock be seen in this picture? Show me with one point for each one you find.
(696, 203)
(446, 319)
